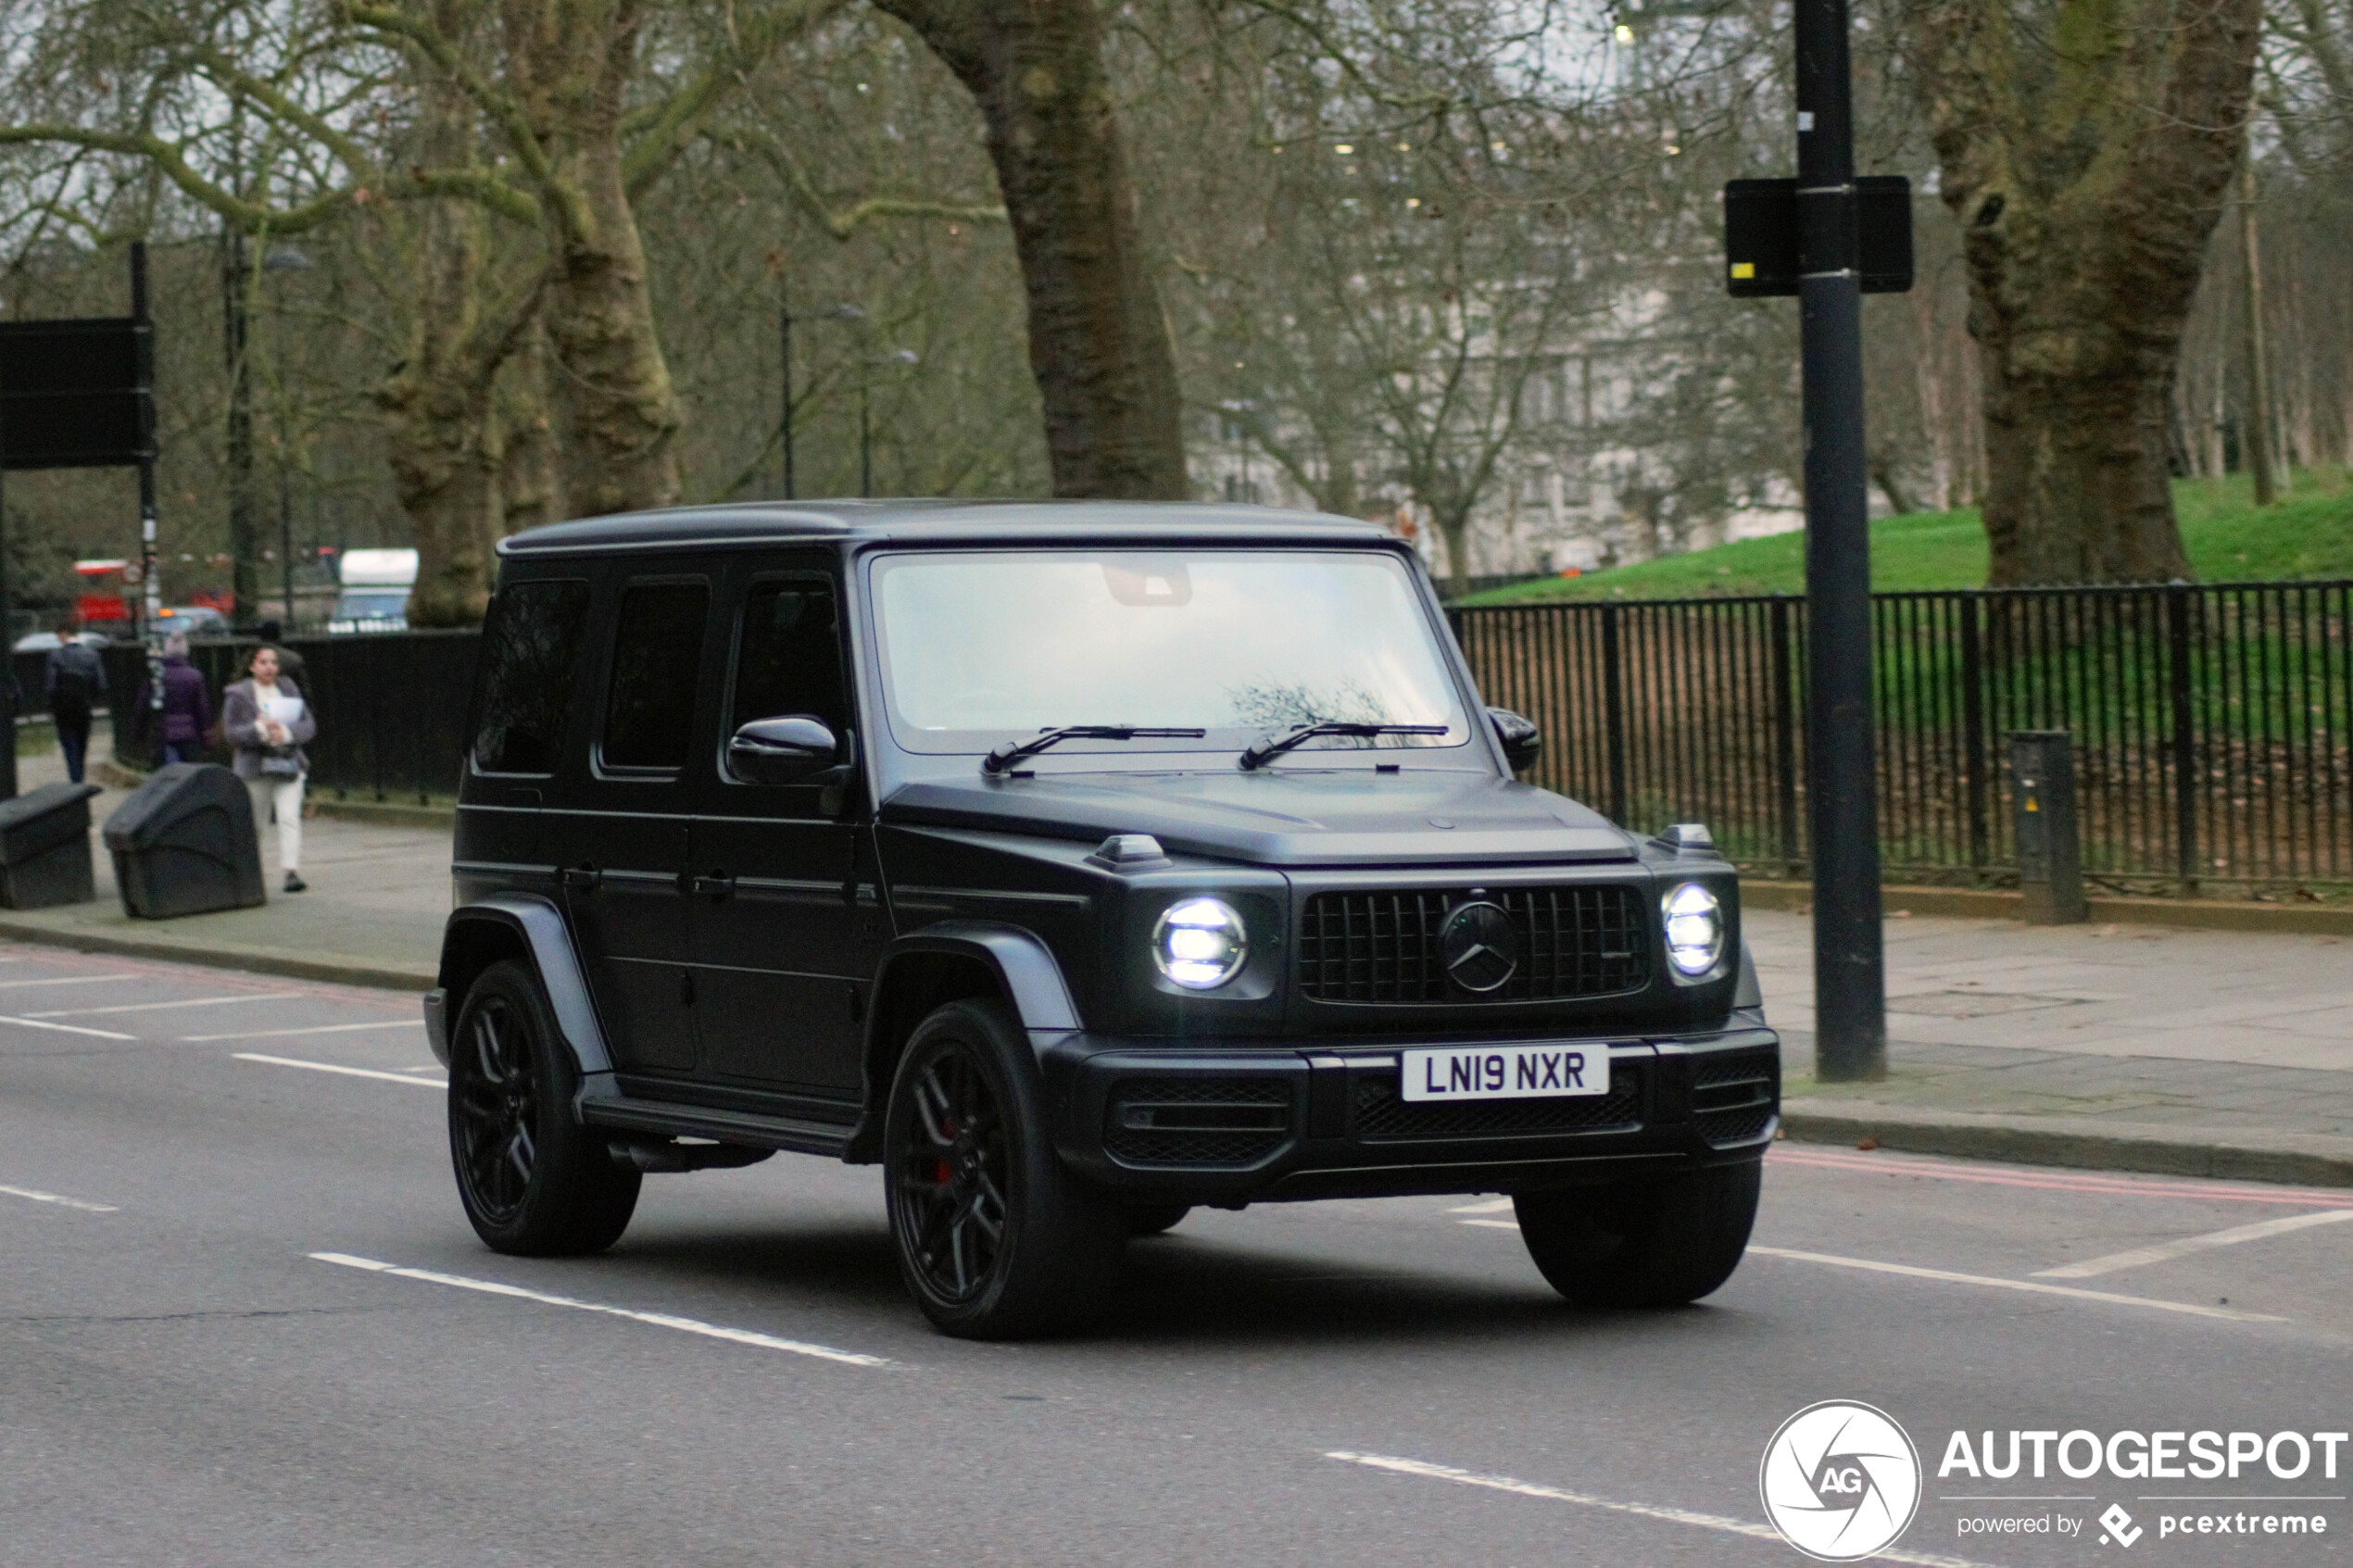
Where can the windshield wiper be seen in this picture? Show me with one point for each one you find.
(1271, 746)
(1013, 751)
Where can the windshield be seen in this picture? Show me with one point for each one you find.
(980, 648)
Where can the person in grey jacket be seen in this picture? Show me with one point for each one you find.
(266, 722)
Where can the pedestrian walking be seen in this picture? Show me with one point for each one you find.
(267, 721)
(290, 663)
(74, 678)
(187, 710)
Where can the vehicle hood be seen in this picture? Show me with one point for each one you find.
(1282, 816)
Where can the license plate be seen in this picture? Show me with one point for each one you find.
(1540, 1072)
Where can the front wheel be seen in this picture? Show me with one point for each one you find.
(1657, 1241)
(995, 1238)
(534, 1181)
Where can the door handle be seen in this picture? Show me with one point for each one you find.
(582, 878)
(717, 885)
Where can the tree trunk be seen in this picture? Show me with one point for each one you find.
(437, 412)
(2088, 170)
(1098, 343)
(571, 64)
(530, 481)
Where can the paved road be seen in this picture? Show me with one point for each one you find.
(185, 1379)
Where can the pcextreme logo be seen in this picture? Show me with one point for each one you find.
(1840, 1481)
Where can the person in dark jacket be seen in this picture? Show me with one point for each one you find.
(187, 709)
(74, 678)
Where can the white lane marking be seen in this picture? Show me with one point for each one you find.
(1584, 1499)
(67, 980)
(157, 1007)
(2163, 1250)
(346, 1072)
(659, 1320)
(315, 1029)
(2195, 1308)
(67, 1028)
(64, 1202)
(1493, 1224)
(1500, 1206)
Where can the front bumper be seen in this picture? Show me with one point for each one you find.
(1231, 1122)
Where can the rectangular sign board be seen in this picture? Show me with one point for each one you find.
(1760, 235)
(70, 394)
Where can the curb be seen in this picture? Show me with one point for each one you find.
(256, 960)
(2293, 1160)
(383, 813)
(2200, 914)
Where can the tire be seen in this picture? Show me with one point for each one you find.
(995, 1239)
(1153, 1218)
(534, 1181)
(1656, 1242)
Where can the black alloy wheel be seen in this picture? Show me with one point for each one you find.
(995, 1239)
(533, 1180)
(953, 1177)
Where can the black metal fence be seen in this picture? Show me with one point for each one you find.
(391, 709)
(2211, 724)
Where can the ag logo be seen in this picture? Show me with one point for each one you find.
(1840, 1481)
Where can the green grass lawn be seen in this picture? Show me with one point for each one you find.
(2307, 535)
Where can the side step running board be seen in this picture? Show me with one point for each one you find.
(669, 1119)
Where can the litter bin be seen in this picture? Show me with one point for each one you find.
(44, 848)
(184, 843)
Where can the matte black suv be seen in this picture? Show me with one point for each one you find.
(1078, 863)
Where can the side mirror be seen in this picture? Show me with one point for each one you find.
(784, 750)
(1523, 742)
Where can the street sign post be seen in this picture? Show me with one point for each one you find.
(78, 393)
(1826, 238)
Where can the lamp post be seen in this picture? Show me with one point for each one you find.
(784, 320)
(901, 357)
(279, 260)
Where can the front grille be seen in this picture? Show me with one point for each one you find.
(1196, 1120)
(1383, 1115)
(1383, 947)
(1733, 1095)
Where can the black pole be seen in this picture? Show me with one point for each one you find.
(244, 577)
(150, 594)
(784, 343)
(1850, 992)
(11, 695)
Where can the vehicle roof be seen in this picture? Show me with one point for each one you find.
(937, 522)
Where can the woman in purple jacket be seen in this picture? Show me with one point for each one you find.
(266, 721)
(187, 710)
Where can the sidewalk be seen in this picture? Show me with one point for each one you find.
(2216, 1053)
(2132, 1048)
(372, 917)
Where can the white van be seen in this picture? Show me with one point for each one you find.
(375, 591)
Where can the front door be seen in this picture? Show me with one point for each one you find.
(625, 863)
(779, 915)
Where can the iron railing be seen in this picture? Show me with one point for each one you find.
(2210, 723)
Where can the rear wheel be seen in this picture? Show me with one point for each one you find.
(995, 1238)
(533, 1180)
(1659, 1241)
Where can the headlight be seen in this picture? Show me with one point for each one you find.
(1694, 929)
(1200, 944)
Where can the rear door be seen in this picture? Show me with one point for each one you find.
(625, 828)
(779, 887)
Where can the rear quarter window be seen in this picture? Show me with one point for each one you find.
(531, 645)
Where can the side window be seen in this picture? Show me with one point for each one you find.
(788, 657)
(530, 648)
(657, 660)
